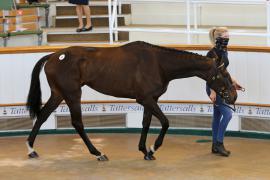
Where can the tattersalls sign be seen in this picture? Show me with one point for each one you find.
(14, 111)
(168, 108)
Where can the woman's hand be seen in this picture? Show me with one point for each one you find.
(213, 96)
(237, 86)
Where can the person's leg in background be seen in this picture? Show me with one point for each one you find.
(87, 12)
(79, 11)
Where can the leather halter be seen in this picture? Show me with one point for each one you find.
(222, 92)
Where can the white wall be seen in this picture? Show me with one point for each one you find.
(239, 18)
(15, 73)
(177, 38)
(251, 69)
(209, 14)
(158, 13)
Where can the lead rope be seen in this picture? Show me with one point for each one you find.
(227, 105)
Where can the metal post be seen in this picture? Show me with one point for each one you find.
(115, 20)
(119, 7)
(195, 15)
(268, 21)
(39, 39)
(47, 11)
(188, 21)
(195, 22)
(5, 41)
(110, 20)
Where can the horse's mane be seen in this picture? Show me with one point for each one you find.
(180, 52)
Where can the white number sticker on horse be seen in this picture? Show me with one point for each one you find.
(62, 57)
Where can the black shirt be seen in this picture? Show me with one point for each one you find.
(222, 55)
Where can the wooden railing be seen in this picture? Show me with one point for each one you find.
(41, 49)
(133, 101)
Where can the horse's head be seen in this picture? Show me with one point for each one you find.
(221, 82)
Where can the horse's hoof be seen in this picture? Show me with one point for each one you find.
(33, 154)
(149, 157)
(102, 158)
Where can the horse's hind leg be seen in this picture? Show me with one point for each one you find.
(45, 112)
(74, 105)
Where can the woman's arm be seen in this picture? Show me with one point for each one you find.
(213, 95)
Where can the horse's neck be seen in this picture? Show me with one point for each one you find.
(186, 65)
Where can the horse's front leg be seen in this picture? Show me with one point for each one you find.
(147, 115)
(152, 105)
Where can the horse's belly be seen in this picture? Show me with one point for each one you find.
(113, 89)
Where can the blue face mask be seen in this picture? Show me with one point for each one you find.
(221, 43)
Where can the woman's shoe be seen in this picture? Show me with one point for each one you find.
(79, 29)
(87, 29)
(221, 149)
(214, 149)
(229, 152)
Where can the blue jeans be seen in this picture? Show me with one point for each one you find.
(221, 118)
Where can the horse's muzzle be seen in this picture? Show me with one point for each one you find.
(229, 97)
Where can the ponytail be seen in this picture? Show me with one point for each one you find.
(212, 36)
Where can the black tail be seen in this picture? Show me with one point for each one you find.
(34, 96)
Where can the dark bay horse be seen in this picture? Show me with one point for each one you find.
(137, 70)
